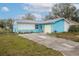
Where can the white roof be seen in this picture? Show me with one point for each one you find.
(39, 22)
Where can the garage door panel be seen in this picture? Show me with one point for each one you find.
(26, 26)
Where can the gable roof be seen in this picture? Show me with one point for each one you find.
(39, 22)
(72, 22)
(53, 20)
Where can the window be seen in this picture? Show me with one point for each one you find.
(36, 27)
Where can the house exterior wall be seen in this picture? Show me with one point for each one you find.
(58, 26)
(66, 26)
(52, 27)
(14, 27)
(27, 28)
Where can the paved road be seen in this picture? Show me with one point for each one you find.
(67, 47)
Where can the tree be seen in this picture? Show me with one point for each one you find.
(48, 17)
(6, 25)
(28, 17)
(9, 24)
(2, 24)
(66, 10)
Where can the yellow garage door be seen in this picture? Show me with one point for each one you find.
(47, 28)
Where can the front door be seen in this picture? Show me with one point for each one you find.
(47, 28)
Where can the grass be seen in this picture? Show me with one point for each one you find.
(74, 36)
(13, 45)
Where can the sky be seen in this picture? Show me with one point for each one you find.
(17, 10)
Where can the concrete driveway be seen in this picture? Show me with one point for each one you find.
(67, 47)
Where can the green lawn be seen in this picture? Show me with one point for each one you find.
(12, 44)
(74, 36)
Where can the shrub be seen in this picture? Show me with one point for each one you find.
(74, 28)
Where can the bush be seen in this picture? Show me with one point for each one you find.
(4, 31)
(74, 28)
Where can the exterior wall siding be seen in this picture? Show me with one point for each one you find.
(58, 26)
(52, 27)
(15, 27)
(27, 28)
(66, 26)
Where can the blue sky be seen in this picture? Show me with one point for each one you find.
(17, 10)
(11, 10)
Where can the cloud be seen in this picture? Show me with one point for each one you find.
(38, 7)
(39, 10)
(23, 15)
(37, 16)
(43, 5)
(5, 9)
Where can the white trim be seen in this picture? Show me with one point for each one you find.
(66, 26)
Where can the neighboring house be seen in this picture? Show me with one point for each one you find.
(48, 26)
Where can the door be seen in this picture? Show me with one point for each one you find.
(47, 28)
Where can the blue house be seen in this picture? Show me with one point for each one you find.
(48, 26)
